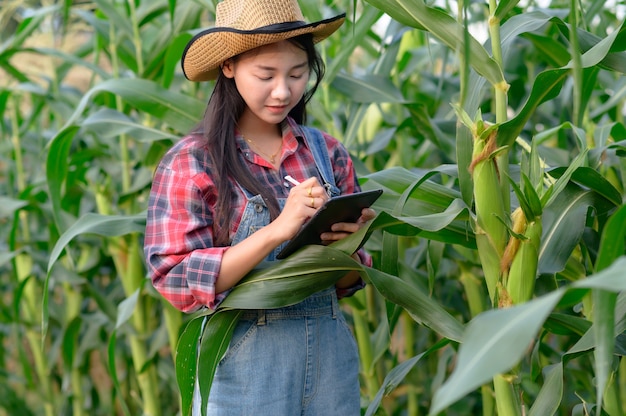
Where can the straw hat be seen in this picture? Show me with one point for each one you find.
(242, 25)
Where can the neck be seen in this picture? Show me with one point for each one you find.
(258, 130)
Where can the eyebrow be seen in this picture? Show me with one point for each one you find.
(270, 68)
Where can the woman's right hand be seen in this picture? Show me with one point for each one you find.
(302, 203)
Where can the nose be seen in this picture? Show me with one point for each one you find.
(281, 90)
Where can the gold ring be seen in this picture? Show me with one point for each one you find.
(310, 193)
(312, 202)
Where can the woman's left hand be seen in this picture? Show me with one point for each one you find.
(341, 230)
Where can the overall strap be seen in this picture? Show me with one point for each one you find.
(316, 143)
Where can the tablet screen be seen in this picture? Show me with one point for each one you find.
(343, 208)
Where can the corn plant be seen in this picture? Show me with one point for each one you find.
(497, 279)
(538, 234)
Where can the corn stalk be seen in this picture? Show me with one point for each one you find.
(23, 266)
(126, 253)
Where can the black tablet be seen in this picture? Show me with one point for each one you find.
(342, 208)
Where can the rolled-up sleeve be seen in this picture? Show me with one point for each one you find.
(183, 263)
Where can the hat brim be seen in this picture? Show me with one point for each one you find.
(206, 51)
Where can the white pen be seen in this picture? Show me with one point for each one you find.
(291, 180)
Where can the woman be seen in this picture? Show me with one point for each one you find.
(219, 207)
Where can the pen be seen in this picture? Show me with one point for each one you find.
(291, 180)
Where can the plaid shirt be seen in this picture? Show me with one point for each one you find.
(183, 261)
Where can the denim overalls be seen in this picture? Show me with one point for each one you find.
(297, 360)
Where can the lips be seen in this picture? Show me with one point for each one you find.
(277, 109)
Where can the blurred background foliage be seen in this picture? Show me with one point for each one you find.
(463, 112)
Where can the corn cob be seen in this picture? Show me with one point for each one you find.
(491, 233)
(520, 283)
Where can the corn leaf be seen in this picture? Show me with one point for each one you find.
(496, 340)
(187, 361)
(417, 14)
(368, 88)
(108, 124)
(611, 247)
(548, 85)
(108, 226)
(551, 393)
(215, 340)
(563, 226)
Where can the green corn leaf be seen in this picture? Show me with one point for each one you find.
(121, 22)
(496, 340)
(172, 57)
(592, 179)
(547, 85)
(215, 339)
(70, 342)
(396, 180)
(8, 206)
(564, 324)
(292, 280)
(551, 393)
(104, 225)
(112, 354)
(187, 360)
(171, 8)
(422, 308)
(126, 309)
(27, 26)
(8, 256)
(108, 226)
(611, 247)
(398, 374)
(524, 203)
(579, 133)
(438, 221)
(357, 36)
(391, 381)
(564, 223)
(609, 104)
(73, 60)
(368, 88)
(532, 197)
(588, 340)
(428, 198)
(603, 330)
(417, 14)
(554, 52)
(178, 110)
(492, 344)
(109, 124)
(56, 172)
(504, 7)
(606, 52)
(564, 179)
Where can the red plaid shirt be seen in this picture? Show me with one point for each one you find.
(183, 261)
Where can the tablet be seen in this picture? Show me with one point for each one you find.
(342, 208)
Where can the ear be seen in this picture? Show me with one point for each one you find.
(228, 68)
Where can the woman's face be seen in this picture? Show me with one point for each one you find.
(271, 79)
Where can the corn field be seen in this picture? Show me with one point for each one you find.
(496, 130)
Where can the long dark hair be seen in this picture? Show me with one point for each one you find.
(218, 129)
